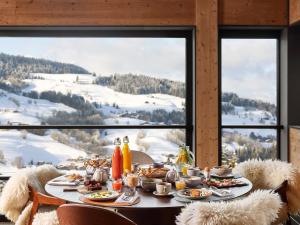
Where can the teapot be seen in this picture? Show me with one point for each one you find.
(171, 176)
(100, 175)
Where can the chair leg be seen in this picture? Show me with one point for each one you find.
(289, 221)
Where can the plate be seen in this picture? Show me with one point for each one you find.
(102, 195)
(185, 194)
(223, 176)
(163, 195)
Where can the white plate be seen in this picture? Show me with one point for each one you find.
(180, 194)
(163, 194)
(113, 196)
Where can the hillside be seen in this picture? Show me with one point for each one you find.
(141, 84)
(21, 67)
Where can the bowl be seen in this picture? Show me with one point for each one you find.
(193, 181)
(221, 170)
(149, 184)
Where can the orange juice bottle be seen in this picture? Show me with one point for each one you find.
(126, 155)
(117, 161)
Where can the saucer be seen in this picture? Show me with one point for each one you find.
(163, 194)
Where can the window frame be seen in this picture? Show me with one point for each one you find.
(187, 32)
(250, 33)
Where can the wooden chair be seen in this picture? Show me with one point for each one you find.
(41, 199)
(72, 214)
(141, 157)
(281, 190)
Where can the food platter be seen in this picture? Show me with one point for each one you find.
(102, 195)
(225, 183)
(194, 194)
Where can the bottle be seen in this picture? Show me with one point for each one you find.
(117, 161)
(126, 155)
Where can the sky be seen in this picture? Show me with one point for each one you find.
(249, 68)
(157, 57)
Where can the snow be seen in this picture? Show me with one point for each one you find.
(17, 109)
(159, 145)
(66, 83)
(34, 147)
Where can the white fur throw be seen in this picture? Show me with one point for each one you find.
(270, 174)
(259, 208)
(15, 195)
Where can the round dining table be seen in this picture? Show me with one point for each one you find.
(150, 210)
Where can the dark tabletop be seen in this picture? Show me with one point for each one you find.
(148, 200)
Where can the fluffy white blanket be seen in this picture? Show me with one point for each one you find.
(259, 208)
(14, 201)
(270, 174)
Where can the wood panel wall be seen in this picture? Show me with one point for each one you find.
(204, 14)
(97, 12)
(253, 12)
(207, 82)
(294, 11)
(294, 146)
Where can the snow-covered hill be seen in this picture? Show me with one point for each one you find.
(31, 147)
(82, 85)
(16, 109)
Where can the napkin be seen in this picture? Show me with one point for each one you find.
(127, 199)
(221, 192)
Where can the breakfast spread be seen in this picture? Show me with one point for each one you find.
(97, 163)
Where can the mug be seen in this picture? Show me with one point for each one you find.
(163, 187)
(191, 172)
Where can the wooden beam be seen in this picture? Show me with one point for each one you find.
(294, 146)
(253, 12)
(294, 11)
(98, 12)
(207, 82)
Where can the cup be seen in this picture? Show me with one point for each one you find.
(163, 187)
(191, 172)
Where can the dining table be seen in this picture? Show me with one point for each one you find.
(151, 209)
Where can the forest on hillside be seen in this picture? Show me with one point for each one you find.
(232, 99)
(141, 84)
(21, 67)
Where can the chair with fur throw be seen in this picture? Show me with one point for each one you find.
(24, 192)
(259, 208)
(269, 174)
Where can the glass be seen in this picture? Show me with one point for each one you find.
(132, 180)
(117, 185)
(180, 184)
(249, 81)
(239, 145)
(80, 81)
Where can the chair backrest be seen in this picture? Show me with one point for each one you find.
(281, 190)
(72, 214)
(141, 157)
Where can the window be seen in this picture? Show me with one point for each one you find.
(67, 93)
(249, 96)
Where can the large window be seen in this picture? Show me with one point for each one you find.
(67, 93)
(249, 97)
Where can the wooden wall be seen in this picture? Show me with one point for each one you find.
(203, 14)
(253, 12)
(97, 12)
(294, 156)
(294, 11)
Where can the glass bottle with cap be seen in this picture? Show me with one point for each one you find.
(127, 158)
(117, 160)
